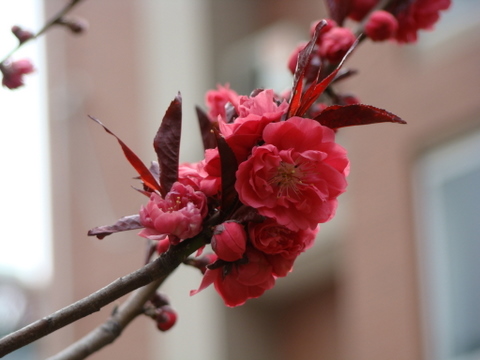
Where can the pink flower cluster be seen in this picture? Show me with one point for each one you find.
(289, 175)
(401, 22)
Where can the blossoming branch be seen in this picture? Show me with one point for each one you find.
(272, 170)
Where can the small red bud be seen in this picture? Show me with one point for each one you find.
(381, 25)
(335, 43)
(21, 35)
(75, 25)
(229, 241)
(166, 318)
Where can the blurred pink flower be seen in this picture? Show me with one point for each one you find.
(335, 43)
(420, 15)
(13, 72)
(381, 25)
(216, 101)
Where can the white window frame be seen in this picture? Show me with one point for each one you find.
(432, 171)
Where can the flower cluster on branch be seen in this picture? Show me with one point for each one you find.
(271, 173)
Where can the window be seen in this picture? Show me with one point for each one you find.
(24, 184)
(448, 198)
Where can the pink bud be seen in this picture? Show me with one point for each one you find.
(381, 25)
(21, 35)
(335, 44)
(166, 318)
(163, 245)
(229, 241)
(75, 25)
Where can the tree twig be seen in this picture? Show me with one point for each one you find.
(54, 20)
(111, 329)
(155, 271)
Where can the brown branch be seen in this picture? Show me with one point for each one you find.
(109, 331)
(155, 271)
(53, 21)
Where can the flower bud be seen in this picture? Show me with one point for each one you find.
(381, 25)
(163, 245)
(166, 318)
(75, 25)
(335, 44)
(159, 299)
(21, 35)
(229, 241)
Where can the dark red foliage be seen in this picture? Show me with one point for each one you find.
(338, 9)
(208, 137)
(131, 222)
(338, 116)
(229, 168)
(167, 144)
(145, 174)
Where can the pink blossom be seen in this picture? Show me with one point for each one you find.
(335, 43)
(13, 72)
(421, 14)
(241, 280)
(296, 177)
(229, 241)
(272, 238)
(216, 101)
(178, 216)
(254, 114)
(211, 170)
(381, 25)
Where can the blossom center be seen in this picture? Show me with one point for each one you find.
(287, 178)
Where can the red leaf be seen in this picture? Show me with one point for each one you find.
(228, 163)
(167, 144)
(338, 10)
(315, 90)
(145, 175)
(302, 65)
(338, 116)
(131, 222)
(208, 136)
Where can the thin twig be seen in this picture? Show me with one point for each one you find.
(159, 269)
(54, 20)
(109, 331)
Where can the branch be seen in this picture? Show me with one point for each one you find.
(156, 271)
(54, 20)
(109, 331)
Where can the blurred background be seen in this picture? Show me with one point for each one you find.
(393, 276)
